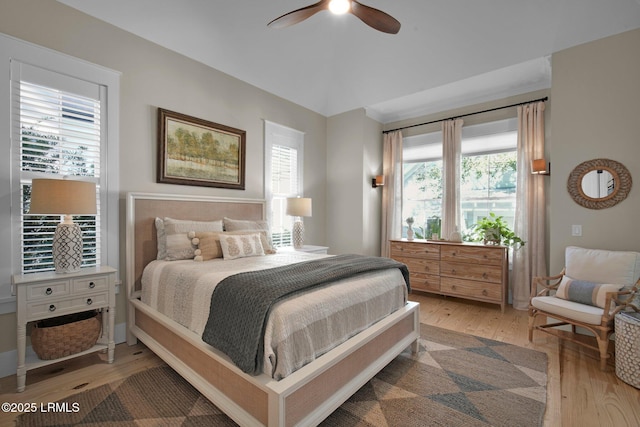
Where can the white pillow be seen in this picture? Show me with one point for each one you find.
(602, 266)
(178, 243)
(249, 225)
(240, 245)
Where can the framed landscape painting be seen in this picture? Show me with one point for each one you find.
(193, 151)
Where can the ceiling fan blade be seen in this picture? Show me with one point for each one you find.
(298, 15)
(375, 18)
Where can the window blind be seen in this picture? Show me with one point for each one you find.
(60, 134)
(284, 183)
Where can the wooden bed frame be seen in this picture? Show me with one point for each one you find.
(303, 398)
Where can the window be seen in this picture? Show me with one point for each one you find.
(487, 182)
(59, 134)
(283, 177)
(76, 98)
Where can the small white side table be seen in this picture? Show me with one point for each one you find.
(307, 248)
(627, 326)
(45, 295)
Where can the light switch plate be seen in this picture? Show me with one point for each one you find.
(576, 230)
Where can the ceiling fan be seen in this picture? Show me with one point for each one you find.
(374, 18)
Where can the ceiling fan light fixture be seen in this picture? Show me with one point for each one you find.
(339, 7)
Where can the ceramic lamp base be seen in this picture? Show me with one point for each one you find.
(67, 248)
(298, 234)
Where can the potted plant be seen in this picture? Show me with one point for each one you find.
(495, 231)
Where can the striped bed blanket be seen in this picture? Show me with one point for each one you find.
(298, 329)
(241, 303)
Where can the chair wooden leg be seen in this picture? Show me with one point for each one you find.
(603, 346)
(531, 323)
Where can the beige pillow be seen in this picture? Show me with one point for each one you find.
(178, 243)
(240, 246)
(161, 239)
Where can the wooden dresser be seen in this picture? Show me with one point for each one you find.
(466, 270)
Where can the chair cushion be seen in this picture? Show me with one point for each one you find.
(602, 266)
(585, 292)
(572, 310)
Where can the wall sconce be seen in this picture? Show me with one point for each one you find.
(378, 181)
(539, 167)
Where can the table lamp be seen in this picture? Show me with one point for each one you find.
(298, 207)
(64, 197)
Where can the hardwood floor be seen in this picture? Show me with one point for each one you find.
(578, 393)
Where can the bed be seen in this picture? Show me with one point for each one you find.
(304, 396)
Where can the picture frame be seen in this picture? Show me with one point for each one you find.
(193, 151)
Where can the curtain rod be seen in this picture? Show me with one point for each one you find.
(465, 115)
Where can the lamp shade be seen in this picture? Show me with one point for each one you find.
(62, 197)
(539, 166)
(299, 206)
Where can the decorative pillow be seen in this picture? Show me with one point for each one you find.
(239, 246)
(585, 292)
(178, 243)
(161, 239)
(255, 226)
(208, 243)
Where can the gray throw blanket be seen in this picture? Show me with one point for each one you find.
(240, 303)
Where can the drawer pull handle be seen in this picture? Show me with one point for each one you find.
(484, 275)
(92, 285)
(52, 307)
(89, 301)
(453, 271)
(49, 291)
(484, 292)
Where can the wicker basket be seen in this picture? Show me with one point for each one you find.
(66, 335)
(628, 348)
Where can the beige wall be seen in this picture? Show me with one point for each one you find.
(155, 77)
(354, 155)
(596, 114)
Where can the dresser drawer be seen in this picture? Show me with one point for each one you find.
(414, 249)
(473, 254)
(422, 265)
(89, 284)
(49, 290)
(425, 282)
(42, 309)
(483, 273)
(471, 289)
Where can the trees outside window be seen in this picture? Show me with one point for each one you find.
(487, 181)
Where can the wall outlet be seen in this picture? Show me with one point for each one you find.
(576, 230)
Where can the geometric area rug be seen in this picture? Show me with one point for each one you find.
(455, 380)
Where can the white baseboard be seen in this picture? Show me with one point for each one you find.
(9, 359)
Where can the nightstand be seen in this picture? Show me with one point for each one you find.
(45, 295)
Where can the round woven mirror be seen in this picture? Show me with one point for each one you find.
(599, 183)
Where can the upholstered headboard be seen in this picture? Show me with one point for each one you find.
(143, 208)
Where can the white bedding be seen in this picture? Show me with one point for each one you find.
(298, 329)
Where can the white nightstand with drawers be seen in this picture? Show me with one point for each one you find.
(46, 295)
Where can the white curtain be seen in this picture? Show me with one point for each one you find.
(392, 190)
(529, 260)
(451, 146)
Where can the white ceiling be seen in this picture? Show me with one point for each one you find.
(448, 53)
